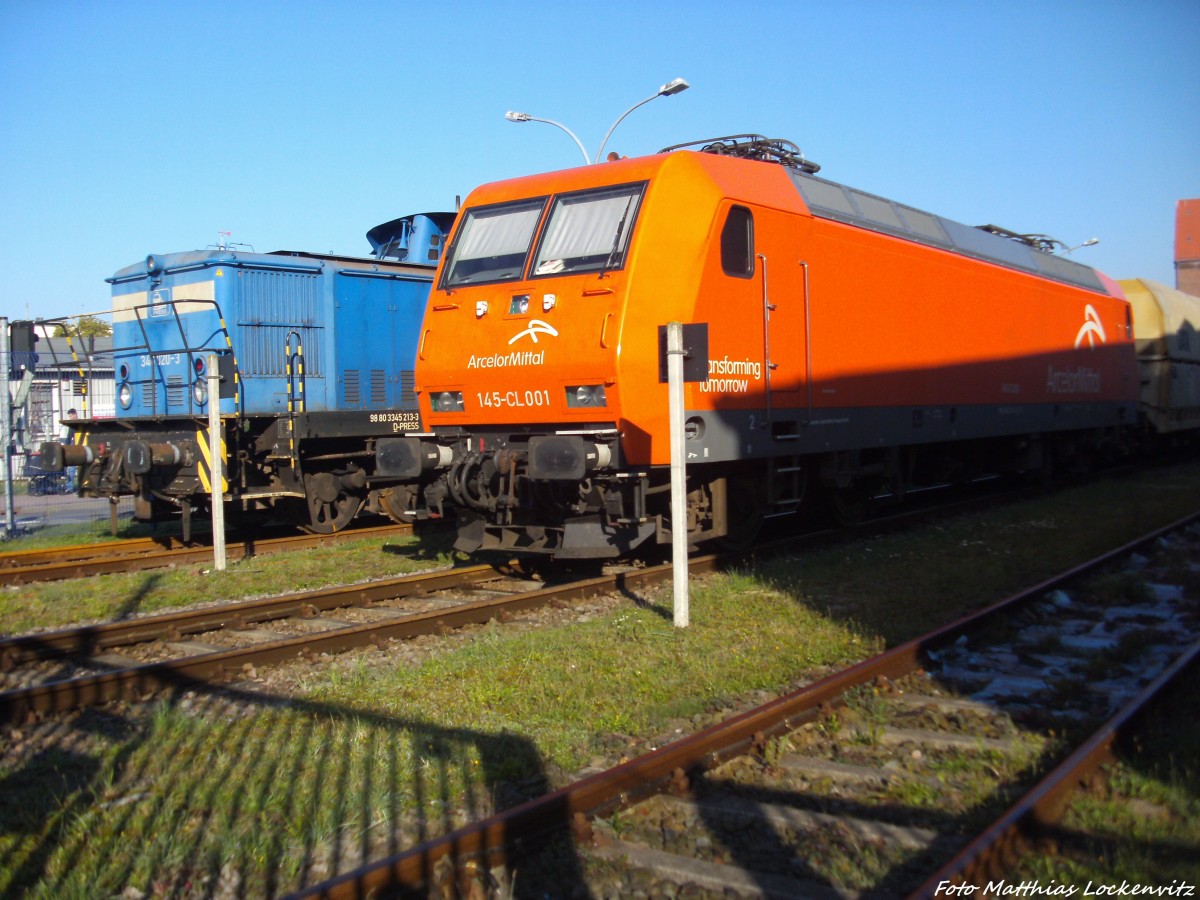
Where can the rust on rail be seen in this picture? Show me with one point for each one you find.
(82, 560)
(498, 835)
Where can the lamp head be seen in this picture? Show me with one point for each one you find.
(673, 87)
(517, 116)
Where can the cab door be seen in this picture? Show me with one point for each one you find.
(731, 301)
(783, 280)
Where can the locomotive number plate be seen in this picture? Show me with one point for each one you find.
(501, 399)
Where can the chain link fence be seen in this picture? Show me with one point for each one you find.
(45, 504)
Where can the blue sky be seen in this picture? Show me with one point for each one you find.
(128, 128)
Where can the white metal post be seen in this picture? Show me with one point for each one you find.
(675, 353)
(217, 463)
(10, 523)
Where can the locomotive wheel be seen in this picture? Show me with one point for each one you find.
(848, 505)
(330, 506)
(745, 510)
(395, 504)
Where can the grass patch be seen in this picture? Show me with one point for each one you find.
(97, 532)
(630, 673)
(203, 799)
(902, 585)
(204, 796)
(117, 596)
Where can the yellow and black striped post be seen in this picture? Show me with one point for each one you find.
(295, 387)
(79, 368)
(207, 465)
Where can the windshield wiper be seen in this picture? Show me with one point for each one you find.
(617, 238)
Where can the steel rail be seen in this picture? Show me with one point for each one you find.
(496, 837)
(103, 559)
(86, 639)
(137, 681)
(126, 547)
(994, 853)
(27, 560)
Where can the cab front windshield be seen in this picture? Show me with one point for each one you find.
(493, 242)
(586, 231)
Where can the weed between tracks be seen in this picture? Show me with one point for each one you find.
(252, 793)
(98, 532)
(119, 596)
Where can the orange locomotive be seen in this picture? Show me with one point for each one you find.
(855, 346)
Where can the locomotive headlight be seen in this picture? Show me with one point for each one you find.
(447, 401)
(586, 395)
(199, 391)
(125, 396)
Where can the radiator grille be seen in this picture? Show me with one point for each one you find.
(175, 391)
(269, 299)
(379, 387)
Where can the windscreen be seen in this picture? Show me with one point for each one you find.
(493, 243)
(589, 230)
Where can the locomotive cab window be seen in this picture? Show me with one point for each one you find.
(737, 243)
(493, 243)
(588, 231)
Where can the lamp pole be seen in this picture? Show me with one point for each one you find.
(667, 90)
(1090, 242)
(10, 520)
(526, 117)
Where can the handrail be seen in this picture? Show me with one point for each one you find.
(82, 377)
(768, 308)
(294, 376)
(808, 378)
(190, 348)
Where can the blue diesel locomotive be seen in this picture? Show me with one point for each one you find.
(315, 355)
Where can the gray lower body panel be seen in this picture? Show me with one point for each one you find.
(730, 435)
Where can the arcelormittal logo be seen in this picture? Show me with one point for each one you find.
(536, 327)
(1091, 328)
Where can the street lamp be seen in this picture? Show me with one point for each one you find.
(667, 90)
(526, 117)
(1088, 243)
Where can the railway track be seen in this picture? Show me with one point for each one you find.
(76, 667)
(57, 671)
(83, 560)
(927, 758)
(72, 668)
(137, 554)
